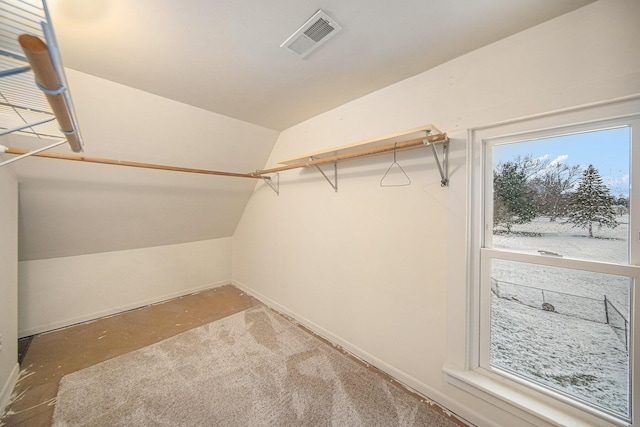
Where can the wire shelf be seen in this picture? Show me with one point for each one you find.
(23, 105)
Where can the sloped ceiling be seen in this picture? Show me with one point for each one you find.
(204, 84)
(225, 56)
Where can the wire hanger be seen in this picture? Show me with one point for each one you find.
(398, 177)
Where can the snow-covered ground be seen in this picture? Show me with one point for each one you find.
(582, 358)
(608, 245)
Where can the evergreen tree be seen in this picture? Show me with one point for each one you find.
(591, 203)
(513, 196)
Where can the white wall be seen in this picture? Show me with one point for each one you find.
(75, 208)
(8, 284)
(59, 292)
(99, 239)
(374, 269)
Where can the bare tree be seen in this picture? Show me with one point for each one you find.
(530, 166)
(554, 185)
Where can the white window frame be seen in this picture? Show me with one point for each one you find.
(525, 399)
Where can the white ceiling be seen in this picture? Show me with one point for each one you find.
(224, 55)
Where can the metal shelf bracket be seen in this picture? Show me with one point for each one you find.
(443, 167)
(273, 183)
(333, 184)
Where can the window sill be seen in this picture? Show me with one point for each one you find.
(526, 404)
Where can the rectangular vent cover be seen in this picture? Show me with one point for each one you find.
(313, 33)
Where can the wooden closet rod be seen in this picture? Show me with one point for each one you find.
(81, 158)
(412, 143)
(57, 95)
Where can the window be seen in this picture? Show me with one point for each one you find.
(556, 259)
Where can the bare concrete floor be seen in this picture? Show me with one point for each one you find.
(54, 354)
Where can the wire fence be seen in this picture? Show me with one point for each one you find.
(590, 309)
(617, 321)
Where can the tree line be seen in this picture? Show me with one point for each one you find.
(526, 188)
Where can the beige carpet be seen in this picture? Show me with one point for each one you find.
(254, 368)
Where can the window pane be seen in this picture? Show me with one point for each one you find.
(564, 329)
(567, 195)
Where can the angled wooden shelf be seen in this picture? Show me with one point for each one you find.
(427, 135)
(369, 144)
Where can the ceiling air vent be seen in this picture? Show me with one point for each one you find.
(316, 31)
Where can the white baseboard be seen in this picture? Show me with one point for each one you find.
(430, 394)
(7, 388)
(110, 312)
